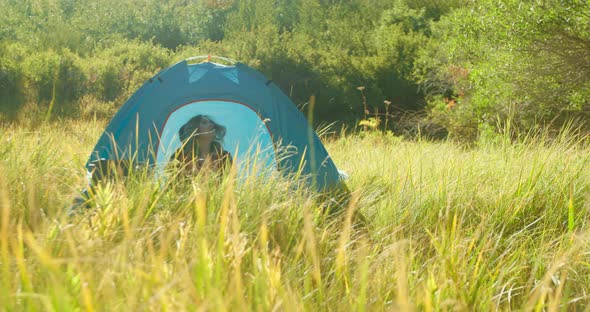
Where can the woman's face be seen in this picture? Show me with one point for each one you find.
(206, 127)
(200, 129)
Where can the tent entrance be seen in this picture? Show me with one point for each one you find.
(247, 138)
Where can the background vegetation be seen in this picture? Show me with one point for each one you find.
(455, 66)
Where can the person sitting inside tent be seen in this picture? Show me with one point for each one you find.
(201, 148)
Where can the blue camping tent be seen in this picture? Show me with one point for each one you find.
(258, 116)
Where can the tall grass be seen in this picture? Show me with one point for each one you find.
(498, 226)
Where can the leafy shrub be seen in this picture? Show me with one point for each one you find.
(10, 74)
(92, 108)
(502, 62)
(117, 71)
(53, 77)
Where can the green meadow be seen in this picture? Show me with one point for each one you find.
(432, 226)
(463, 126)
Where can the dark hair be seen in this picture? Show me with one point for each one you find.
(219, 129)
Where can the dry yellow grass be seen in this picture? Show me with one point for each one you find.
(448, 228)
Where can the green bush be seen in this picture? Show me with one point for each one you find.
(117, 71)
(63, 77)
(53, 76)
(11, 77)
(501, 62)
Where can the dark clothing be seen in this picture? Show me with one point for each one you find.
(219, 160)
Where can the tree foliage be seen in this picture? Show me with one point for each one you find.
(466, 64)
(526, 62)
